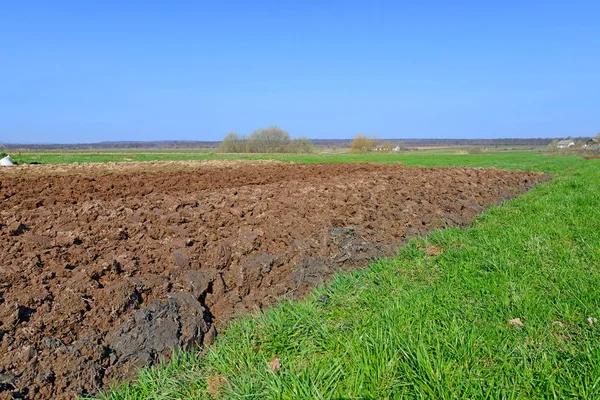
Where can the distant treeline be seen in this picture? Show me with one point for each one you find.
(340, 143)
(159, 144)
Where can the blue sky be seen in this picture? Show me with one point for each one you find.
(126, 70)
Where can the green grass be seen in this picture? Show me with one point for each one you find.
(526, 160)
(432, 326)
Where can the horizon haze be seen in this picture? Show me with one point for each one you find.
(88, 73)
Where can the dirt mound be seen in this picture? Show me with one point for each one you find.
(103, 272)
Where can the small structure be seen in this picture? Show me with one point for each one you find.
(5, 162)
(565, 144)
(592, 144)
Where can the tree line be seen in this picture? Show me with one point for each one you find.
(295, 143)
(265, 140)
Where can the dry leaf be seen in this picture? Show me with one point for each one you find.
(558, 323)
(215, 385)
(433, 251)
(275, 364)
(591, 321)
(516, 322)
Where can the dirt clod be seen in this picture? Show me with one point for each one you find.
(275, 364)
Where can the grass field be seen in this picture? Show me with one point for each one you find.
(525, 160)
(508, 308)
(322, 155)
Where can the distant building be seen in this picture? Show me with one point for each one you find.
(592, 144)
(565, 144)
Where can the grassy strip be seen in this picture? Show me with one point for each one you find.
(525, 160)
(128, 155)
(435, 322)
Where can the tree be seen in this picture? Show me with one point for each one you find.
(385, 146)
(301, 145)
(401, 145)
(265, 140)
(553, 146)
(233, 143)
(269, 140)
(362, 144)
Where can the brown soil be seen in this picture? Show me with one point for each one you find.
(103, 269)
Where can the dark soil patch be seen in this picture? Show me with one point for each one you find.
(104, 272)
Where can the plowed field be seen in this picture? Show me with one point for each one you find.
(104, 268)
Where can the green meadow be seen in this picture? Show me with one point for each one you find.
(500, 158)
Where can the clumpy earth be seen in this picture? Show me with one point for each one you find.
(105, 268)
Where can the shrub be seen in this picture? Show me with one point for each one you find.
(233, 143)
(362, 144)
(385, 147)
(269, 140)
(265, 140)
(301, 145)
(553, 145)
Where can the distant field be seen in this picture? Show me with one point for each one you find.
(507, 308)
(504, 158)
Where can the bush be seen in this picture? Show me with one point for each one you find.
(385, 147)
(301, 145)
(475, 150)
(553, 145)
(265, 140)
(269, 140)
(362, 144)
(233, 143)
(2, 155)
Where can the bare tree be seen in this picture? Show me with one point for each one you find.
(301, 145)
(233, 143)
(265, 140)
(362, 144)
(269, 140)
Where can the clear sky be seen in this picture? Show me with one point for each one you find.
(83, 71)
